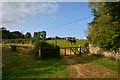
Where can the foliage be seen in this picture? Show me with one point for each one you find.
(48, 50)
(41, 34)
(28, 35)
(5, 33)
(85, 48)
(16, 34)
(104, 30)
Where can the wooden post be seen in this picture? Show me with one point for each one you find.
(65, 51)
(13, 47)
(40, 50)
(79, 49)
(70, 51)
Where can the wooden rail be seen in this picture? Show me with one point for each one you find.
(71, 49)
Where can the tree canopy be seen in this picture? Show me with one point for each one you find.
(28, 35)
(41, 34)
(6, 34)
(104, 30)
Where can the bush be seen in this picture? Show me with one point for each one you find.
(48, 50)
(86, 44)
(85, 48)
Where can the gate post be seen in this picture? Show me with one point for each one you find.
(79, 49)
(70, 51)
(40, 50)
(65, 51)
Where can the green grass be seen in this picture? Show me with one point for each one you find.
(17, 65)
(66, 43)
(101, 60)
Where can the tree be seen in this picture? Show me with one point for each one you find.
(104, 30)
(43, 34)
(35, 34)
(16, 34)
(28, 35)
(5, 33)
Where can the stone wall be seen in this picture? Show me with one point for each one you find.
(97, 50)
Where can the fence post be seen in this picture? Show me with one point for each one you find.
(79, 49)
(65, 51)
(70, 51)
(13, 47)
(40, 50)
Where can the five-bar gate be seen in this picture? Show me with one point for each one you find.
(70, 50)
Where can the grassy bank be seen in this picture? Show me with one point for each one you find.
(19, 64)
(101, 60)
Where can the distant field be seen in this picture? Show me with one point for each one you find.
(60, 43)
(66, 43)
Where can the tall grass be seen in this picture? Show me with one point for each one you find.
(22, 65)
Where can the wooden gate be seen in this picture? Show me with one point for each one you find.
(74, 50)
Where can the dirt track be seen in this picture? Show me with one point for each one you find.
(84, 69)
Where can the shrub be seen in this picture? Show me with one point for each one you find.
(85, 48)
(86, 44)
(48, 50)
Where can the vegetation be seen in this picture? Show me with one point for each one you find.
(6, 34)
(47, 50)
(20, 64)
(101, 60)
(25, 62)
(41, 34)
(104, 30)
(60, 43)
(28, 35)
(66, 43)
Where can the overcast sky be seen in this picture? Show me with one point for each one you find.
(66, 19)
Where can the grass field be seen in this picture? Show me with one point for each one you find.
(66, 43)
(60, 43)
(22, 65)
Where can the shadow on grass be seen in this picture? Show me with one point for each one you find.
(24, 66)
(50, 68)
(90, 57)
